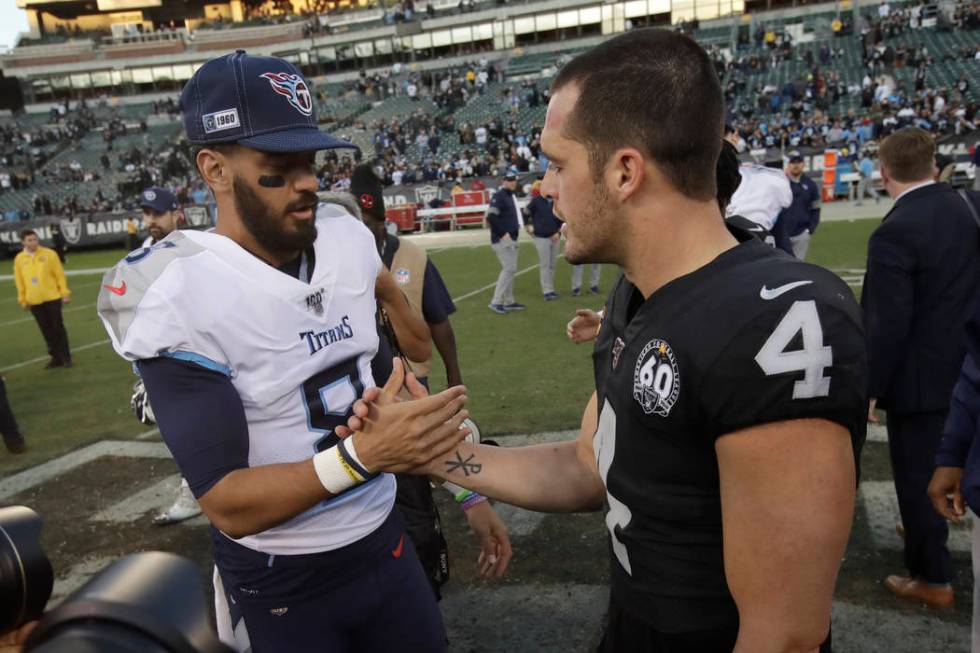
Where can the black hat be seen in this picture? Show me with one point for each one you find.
(368, 190)
(510, 177)
(795, 157)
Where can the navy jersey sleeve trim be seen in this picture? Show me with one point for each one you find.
(201, 419)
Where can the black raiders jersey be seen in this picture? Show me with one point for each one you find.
(753, 337)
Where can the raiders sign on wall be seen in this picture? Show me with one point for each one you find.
(95, 229)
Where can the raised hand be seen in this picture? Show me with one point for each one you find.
(584, 326)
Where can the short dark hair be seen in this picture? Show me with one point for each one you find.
(727, 175)
(908, 155)
(24, 233)
(657, 91)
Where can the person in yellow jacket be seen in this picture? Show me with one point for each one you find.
(42, 289)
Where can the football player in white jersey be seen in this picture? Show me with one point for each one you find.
(254, 341)
(761, 196)
(159, 207)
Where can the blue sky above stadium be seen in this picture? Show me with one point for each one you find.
(13, 21)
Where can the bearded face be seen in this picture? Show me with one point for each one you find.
(291, 228)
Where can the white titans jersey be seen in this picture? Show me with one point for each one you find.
(297, 354)
(763, 193)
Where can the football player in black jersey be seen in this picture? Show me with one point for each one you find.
(730, 378)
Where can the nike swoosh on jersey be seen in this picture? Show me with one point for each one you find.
(767, 294)
(397, 552)
(117, 290)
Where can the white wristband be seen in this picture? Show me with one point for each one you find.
(333, 471)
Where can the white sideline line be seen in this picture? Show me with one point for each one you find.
(13, 300)
(877, 433)
(41, 359)
(153, 498)
(87, 272)
(491, 285)
(43, 473)
(31, 319)
(148, 435)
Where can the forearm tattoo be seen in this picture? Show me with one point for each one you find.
(467, 466)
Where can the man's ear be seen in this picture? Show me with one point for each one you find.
(885, 178)
(627, 172)
(215, 169)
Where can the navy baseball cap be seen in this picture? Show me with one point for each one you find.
(795, 157)
(510, 177)
(159, 199)
(259, 102)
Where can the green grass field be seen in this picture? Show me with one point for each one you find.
(522, 373)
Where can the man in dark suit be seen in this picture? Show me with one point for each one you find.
(922, 281)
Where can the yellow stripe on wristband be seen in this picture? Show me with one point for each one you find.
(357, 478)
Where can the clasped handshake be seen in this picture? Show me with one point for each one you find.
(401, 428)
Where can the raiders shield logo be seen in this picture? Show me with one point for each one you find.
(656, 381)
(425, 194)
(71, 230)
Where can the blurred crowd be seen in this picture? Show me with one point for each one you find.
(433, 142)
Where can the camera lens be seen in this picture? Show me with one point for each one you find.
(25, 572)
(143, 603)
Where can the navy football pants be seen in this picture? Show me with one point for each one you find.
(371, 595)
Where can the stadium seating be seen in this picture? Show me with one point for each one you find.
(345, 111)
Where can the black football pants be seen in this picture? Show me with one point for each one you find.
(48, 317)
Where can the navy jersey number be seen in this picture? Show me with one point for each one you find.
(329, 397)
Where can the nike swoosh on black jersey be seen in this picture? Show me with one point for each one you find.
(766, 293)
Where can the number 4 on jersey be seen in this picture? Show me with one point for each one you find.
(812, 359)
(619, 515)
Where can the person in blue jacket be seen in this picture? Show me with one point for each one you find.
(797, 222)
(956, 482)
(505, 220)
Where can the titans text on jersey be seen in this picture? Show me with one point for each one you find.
(754, 337)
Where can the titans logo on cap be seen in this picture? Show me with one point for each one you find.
(293, 88)
(149, 195)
